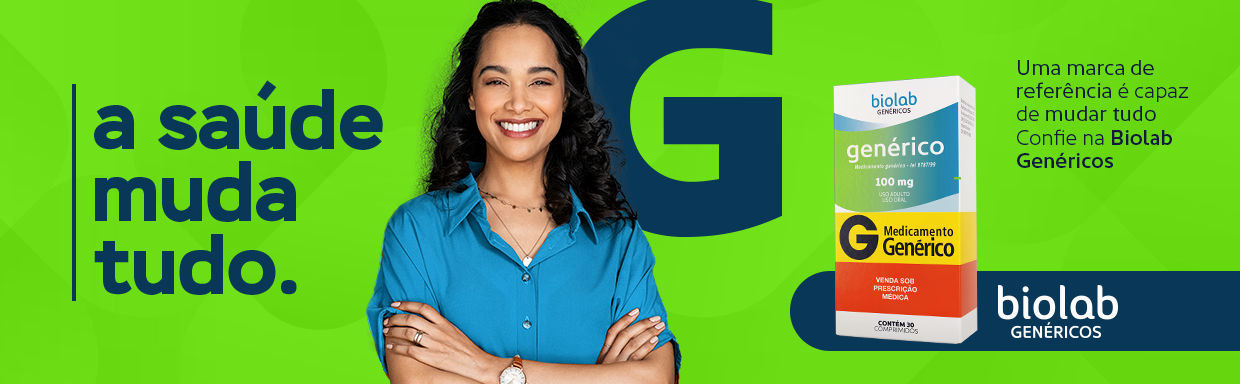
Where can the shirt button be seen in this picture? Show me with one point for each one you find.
(525, 277)
(526, 324)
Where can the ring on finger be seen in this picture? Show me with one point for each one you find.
(417, 338)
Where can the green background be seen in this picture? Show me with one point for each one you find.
(1168, 208)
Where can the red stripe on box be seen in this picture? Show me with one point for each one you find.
(942, 290)
(968, 287)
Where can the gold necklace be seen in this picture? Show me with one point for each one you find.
(514, 206)
(527, 258)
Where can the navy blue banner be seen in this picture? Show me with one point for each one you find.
(1136, 311)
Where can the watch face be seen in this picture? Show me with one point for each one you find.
(512, 375)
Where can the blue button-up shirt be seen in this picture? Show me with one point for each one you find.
(439, 249)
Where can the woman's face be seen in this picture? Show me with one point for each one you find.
(518, 93)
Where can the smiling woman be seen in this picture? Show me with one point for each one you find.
(514, 104)
(522, 259)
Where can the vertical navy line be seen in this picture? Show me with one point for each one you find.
(73, 182)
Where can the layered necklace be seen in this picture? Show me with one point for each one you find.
(526, 258)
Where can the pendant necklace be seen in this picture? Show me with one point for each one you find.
(526, 258)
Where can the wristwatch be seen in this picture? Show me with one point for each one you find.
(513, 374)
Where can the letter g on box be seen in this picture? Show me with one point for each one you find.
(869, 240)
(748, 130)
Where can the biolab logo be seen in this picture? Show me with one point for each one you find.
(870, 240)
(895, 100)
(748, 130)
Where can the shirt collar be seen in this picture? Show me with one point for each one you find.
(460, 204)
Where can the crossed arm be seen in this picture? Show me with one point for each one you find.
(446, 355)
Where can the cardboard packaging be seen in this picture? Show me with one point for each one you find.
(906, 210)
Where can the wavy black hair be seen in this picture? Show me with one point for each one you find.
(579, 156)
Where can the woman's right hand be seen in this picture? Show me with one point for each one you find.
(626, 342)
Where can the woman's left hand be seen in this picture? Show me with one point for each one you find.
(626, 342)
(442, 345)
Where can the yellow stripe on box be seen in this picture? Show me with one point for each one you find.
(944, 238)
